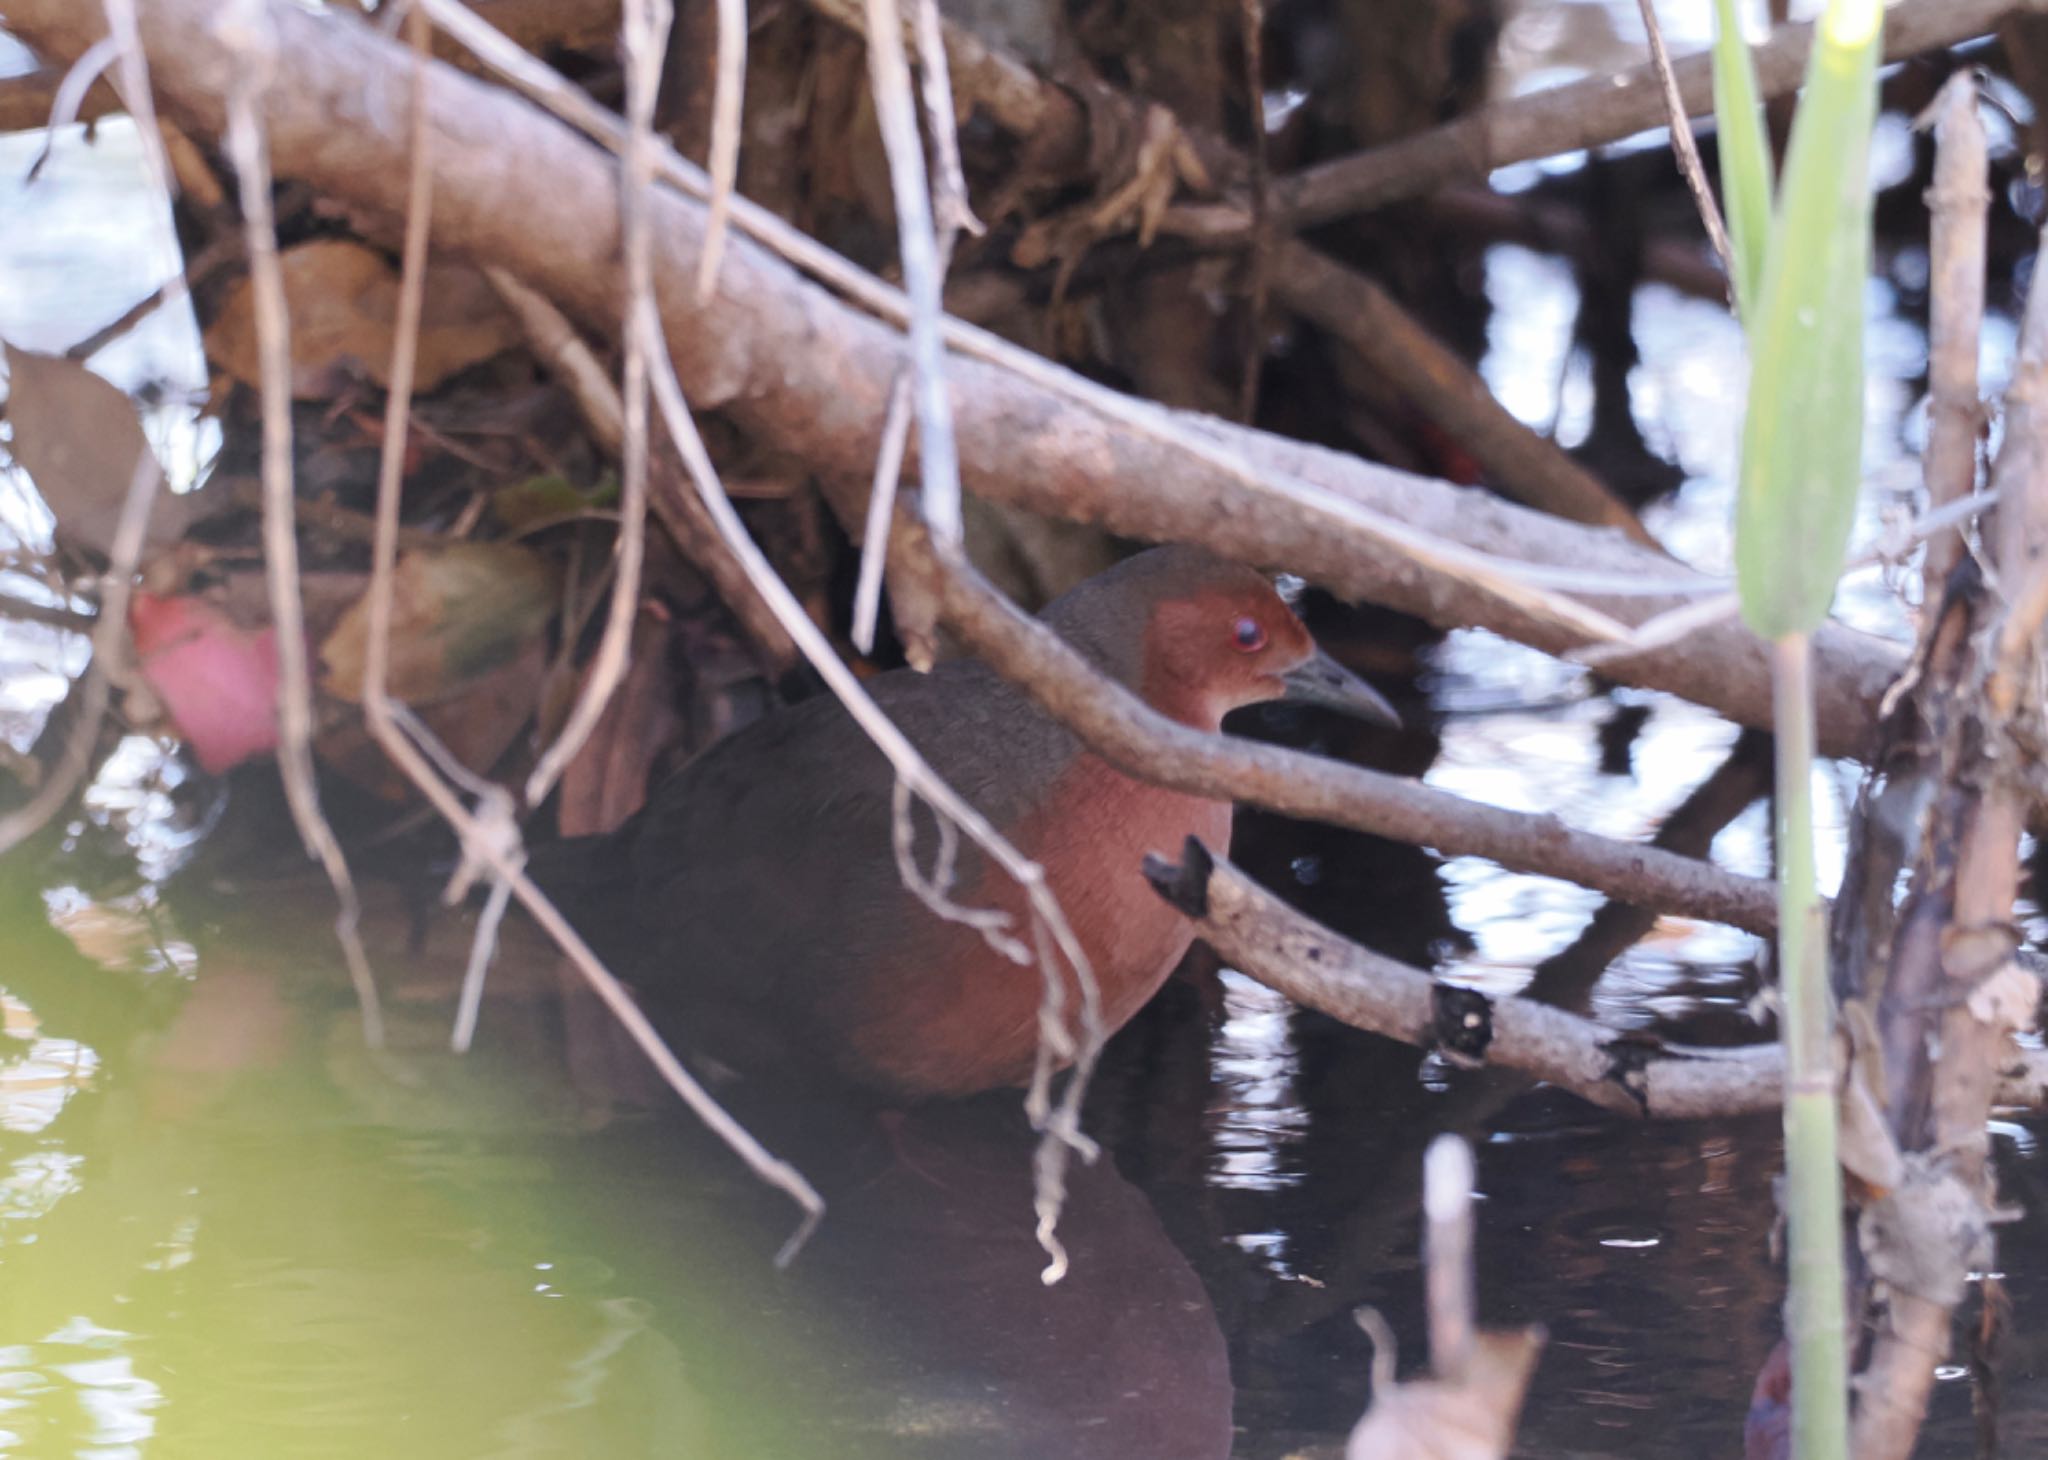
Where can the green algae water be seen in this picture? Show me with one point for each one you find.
(228, 1231)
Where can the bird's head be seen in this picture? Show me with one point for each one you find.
(1198, 636)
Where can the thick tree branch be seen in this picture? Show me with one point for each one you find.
(795, 365)
(1955, 991)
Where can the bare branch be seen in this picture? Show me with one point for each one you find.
(1683, 145)
(728, 98)
(1259, 935)
(1256, 933)
(874, 537)
(923, 271)
(1592, 112)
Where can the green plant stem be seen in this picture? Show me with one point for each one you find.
(1813, 1177)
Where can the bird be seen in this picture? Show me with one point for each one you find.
(755, 905)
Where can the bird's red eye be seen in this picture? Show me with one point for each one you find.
(1248, 634)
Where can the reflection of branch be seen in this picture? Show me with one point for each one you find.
(1522, 464)
(1117, 725)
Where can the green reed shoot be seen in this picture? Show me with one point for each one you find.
(1799, 277)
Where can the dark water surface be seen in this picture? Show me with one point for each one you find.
(226, 1230)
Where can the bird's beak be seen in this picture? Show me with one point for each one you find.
(1321, 680)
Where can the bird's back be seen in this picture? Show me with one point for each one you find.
(756, 900)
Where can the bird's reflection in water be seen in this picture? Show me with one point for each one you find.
(916, 1324)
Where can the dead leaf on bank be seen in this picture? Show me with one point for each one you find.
(343, 298)
(607, 780)
(458, 613)
(78, 438)
(1471, 1417)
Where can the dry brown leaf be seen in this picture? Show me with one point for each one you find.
(78, 438)
(343, 298)
(458, 613)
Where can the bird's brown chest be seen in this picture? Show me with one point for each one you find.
(976, 1012)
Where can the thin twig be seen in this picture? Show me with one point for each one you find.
(487, 844)
(951, 211)
(924, 256)
(224, 249)
(495, 810)
(917, 244)
(1684, 146)
(244, 29)
(78, 80)
(728, 100)
(646, 37)
(874, 538)
(497, 822)
(952, 214)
